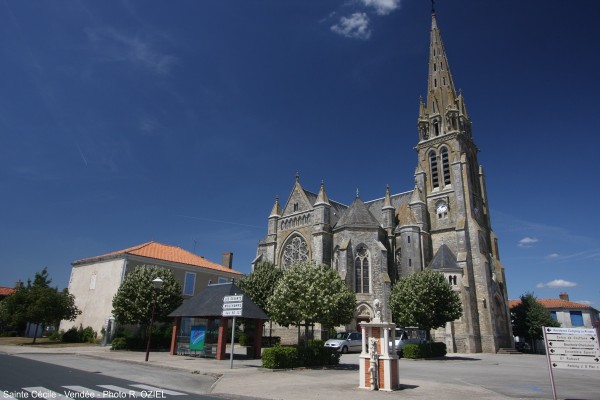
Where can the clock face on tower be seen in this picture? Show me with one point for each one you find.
(442, 207)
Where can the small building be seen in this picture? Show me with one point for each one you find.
(95, 280)
(569, 313)
(6, 291)
(200, 328)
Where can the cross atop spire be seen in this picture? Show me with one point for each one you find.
(433, 6)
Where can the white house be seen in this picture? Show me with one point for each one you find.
(94, 281)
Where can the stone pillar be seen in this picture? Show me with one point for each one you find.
(378, 368)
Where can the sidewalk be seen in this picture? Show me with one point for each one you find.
(248, 379)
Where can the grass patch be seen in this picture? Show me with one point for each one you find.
(39, 342)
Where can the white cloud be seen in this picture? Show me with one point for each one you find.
(355, 26)
(382, 7)
(557, 283)
(117, 46)
(553, 255)
(586, 302)
(527, 241)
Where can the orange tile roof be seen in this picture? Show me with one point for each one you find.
(6, 291)
(163, 252)
(554, 303)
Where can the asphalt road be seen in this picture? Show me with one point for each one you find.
(22, 378)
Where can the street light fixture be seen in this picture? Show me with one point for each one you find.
(156, 286)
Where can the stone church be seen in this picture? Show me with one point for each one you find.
(443, 223)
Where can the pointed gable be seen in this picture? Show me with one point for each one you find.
(299, 200)
(444, 260)
(357, 216)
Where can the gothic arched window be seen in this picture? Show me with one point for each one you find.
(361, 270)
(295, 251)
(445, 166)
(433, 164)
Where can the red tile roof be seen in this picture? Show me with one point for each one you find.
(554, 303)
(163, 252)
(6, 291)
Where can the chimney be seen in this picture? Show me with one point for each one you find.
(564, 296)
(227, 260)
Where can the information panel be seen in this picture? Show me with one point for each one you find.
(572, 348)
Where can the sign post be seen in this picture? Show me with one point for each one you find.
(232, 307)
(571, 348)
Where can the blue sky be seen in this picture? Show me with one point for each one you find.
(129, 121)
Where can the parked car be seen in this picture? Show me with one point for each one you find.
(523, 346)
(345, 342)
(406, 336)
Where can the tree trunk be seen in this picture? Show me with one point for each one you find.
(35, 332)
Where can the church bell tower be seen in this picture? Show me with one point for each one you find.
(452, 181)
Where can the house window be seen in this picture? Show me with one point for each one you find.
(553, 315)
(295, 251)
(190, 284)
(361, 270)
(576, 318)
(223, 280)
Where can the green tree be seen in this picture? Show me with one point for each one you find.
(426, 300)
(311, 293)
(260, 284)
(528, 318)
(134, 300)
(40, 304)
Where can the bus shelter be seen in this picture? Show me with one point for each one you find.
(200, 329)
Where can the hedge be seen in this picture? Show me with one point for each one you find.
(425, 350)
(315, 354)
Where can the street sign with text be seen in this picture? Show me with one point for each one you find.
(571, 348)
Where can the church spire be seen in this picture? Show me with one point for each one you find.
(276, 211)
(322, 196)
(440, 88)
(443, 111)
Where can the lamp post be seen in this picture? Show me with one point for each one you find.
(156, 285)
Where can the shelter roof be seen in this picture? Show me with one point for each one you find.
(209, 303)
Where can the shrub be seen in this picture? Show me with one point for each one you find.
(71, 336)
(119, 343)
(425, 350)
(242, 339)
(315, 354)
(278, 357)
(56, 336)
(87, 335)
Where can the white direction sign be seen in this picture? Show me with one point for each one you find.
(232, 313)
(232, 299)
(233, 305)
(572, 348)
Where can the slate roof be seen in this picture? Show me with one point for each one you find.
(357, 215)
(555, 304)
(209, 303)
(444, 259)
(164, 252)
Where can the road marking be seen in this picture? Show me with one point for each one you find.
(43, 393)
(159, 390)
(83, 392)
(127, 392)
